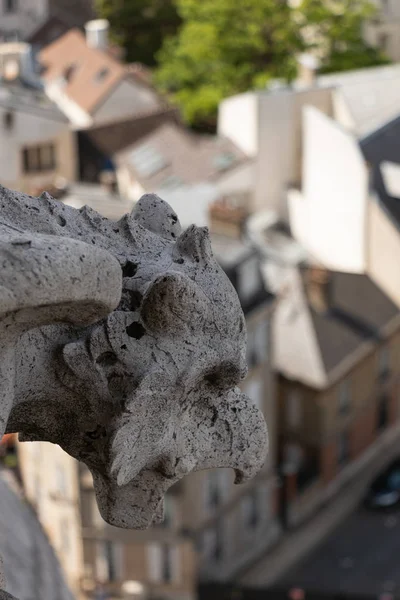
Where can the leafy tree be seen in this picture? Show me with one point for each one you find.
(140, 26)
(225, 47)
(333, 29)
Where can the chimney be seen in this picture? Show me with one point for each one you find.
(307, 71)
(97, 34)
(318, 288)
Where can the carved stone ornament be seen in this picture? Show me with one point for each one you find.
(123, 342)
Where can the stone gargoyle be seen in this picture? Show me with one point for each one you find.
(124, 343)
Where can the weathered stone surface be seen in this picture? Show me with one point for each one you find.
(123, 342)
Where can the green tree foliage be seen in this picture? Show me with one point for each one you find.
(140, 26)
(225, 47)
(334, 30)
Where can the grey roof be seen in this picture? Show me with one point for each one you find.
(24, 98)
(30, 566)
(357, 312)
(171, 157)
(372, 95)
(97, 197)
(381, 146)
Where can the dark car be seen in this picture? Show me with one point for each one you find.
(384, 491)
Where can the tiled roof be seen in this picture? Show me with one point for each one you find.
(171, 157)
(326, 321)
(90, 75)
(357, 311)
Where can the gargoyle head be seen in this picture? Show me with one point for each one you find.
(154, 385)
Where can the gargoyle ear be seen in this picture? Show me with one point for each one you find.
(194, 244)
(154, 214)
(172, 304)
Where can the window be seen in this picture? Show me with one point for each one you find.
(293, 409)
(383, 412)
(224, 161)
(213, 542)
(344, 397)
(257, 344)
(219, 542)
(254, 390)
(147, 160)
(261, 339)
(163, 563)
(213, 490)
(39, 158)
(251, 353)
(8, 120)
(109, 561)
(168, 512)
(70, 71)
(101, 75)
(14, 36)
(249, 280)
(384, 362)
(10, 6)
(250, 510)
(343, 447)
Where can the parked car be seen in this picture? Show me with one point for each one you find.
(384, 492)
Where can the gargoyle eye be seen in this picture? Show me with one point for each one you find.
(107, 359)
(226, 376)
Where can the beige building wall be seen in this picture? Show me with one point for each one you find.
(50, 481)
(334, 196)
(162, 559)
(279, 164)
(66, 164)
(238, 120)
(26, 130)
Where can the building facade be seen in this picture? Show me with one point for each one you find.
(159, 562)
(37, 145)
(50, 482)
(338, 386)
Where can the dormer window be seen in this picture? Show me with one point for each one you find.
(101, 75)
(69, 72)
(10, 6)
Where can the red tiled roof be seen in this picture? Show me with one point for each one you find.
(90, 74)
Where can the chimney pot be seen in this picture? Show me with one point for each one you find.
(308, 68)
(97, 33)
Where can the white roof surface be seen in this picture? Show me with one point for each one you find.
(372, 95)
